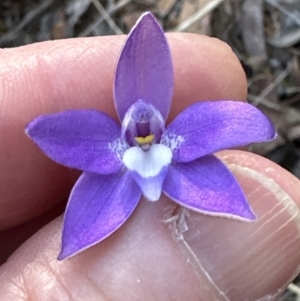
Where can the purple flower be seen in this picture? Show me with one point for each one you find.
(142, 157)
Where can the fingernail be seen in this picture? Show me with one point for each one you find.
(240, 260)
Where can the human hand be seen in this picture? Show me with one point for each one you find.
(162, 252)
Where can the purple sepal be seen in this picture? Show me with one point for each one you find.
(144, 69)
(207, 127)
(79, 139)
(98, 206)
(207, 186)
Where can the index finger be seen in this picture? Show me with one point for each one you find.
(78, 73)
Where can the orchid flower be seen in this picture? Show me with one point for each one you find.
(143, 156)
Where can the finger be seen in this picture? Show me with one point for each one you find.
(12, 238)
(53, 76)
(164, 253)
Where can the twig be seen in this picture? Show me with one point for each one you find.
(265, 102)
(295, 289)
(206, 9)
(272, 85)
(289, 39)
(284, 10)
(96, 23)
(107, 17)
(29, 17)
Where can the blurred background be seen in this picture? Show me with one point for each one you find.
(264, 34)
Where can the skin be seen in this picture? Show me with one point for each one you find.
(163, 252)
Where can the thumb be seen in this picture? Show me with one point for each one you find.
(164, 252)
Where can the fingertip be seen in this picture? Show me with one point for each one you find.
(270, 243)
(205, 69)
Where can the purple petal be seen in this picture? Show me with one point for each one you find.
(145, 69)
(82, 139)
(207, 127)
(207, 186)
(98, 206)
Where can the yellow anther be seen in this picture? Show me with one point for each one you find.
(144, 140)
